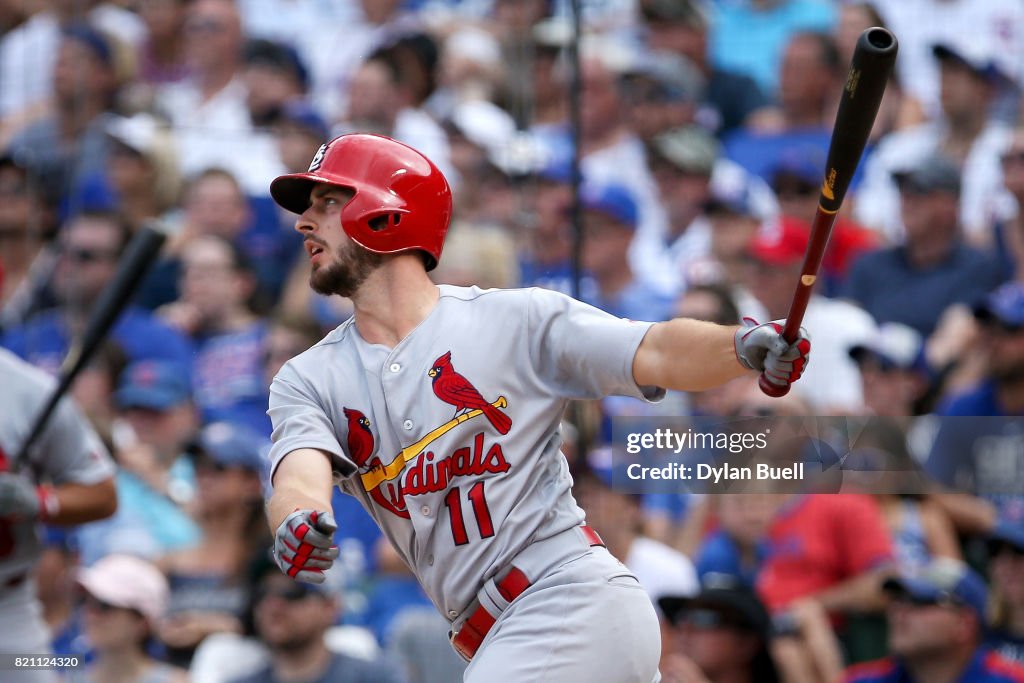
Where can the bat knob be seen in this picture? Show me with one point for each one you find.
(773, 390)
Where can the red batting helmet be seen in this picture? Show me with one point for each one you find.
(391, 181)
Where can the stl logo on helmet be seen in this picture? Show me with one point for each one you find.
(389, 484)
(318, 159)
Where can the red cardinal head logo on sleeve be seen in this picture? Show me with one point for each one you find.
(456, 390)
(360, 438)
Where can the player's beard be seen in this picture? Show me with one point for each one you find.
(344, 275)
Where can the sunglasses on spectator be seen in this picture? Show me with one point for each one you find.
(754, 411)
(205, 26)
(801, 190)
(292, 593)
(95, 604)
(205, 464)
(87, 255)
(1001, 326)
(943, 599)
(14, 189)
(1013, 156)
(1000, 548)
(704, 619)
(874, 362)
(13, 233)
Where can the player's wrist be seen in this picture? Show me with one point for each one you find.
(49, 503)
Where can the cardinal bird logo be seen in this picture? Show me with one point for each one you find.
(360, 438)
(456, 390)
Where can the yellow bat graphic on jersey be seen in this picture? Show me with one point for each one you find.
(379, 474)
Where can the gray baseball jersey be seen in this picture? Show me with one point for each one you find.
(68, 451)
(451, 439)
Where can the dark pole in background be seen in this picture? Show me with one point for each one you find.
(578, 412)
(575, 176)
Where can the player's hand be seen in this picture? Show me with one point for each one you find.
(19, 497)
(762, 348)
(303, 545)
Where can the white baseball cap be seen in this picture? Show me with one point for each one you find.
(894, 343)
(128, 582)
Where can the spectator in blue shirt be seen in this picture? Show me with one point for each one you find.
(1006, 569)
(89, 247)
(982, 456)
(1001, 392)
(216, 285)
(915, 282)
(611, 216)
(936, 620)
(749, 36)
(155, 421)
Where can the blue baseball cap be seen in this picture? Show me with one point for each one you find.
(154, 385)
(302, 114)
(1004, 305)
(977, 55)
(555, 170)
(230, 445)
(97, 43)
(612, 200)
(943, 580)
(806, 163)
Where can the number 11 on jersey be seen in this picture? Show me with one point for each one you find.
(453, 501)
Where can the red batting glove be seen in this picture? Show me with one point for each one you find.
(762, 348)
(303, 545)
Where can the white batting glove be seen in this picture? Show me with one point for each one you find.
(19, 498)
(303, 545)
(762, 348)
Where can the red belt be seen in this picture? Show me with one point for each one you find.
(475, 628)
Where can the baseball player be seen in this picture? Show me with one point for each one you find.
(438, 407)
(67, 478)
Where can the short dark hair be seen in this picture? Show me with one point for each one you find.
(727, 311)
(279, 56)
(828, 53)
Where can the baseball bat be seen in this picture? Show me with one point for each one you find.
(870, 68)
(138, 256)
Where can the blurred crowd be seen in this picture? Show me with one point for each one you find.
(704, 126)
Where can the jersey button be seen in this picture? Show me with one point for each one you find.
(430, 560)
(452, 613)
(425, 510)
(407, 424)
(395, 367)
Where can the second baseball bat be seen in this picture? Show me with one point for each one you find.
(870, 68)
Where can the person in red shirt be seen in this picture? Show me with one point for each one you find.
(825, 555)
(830, 548)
